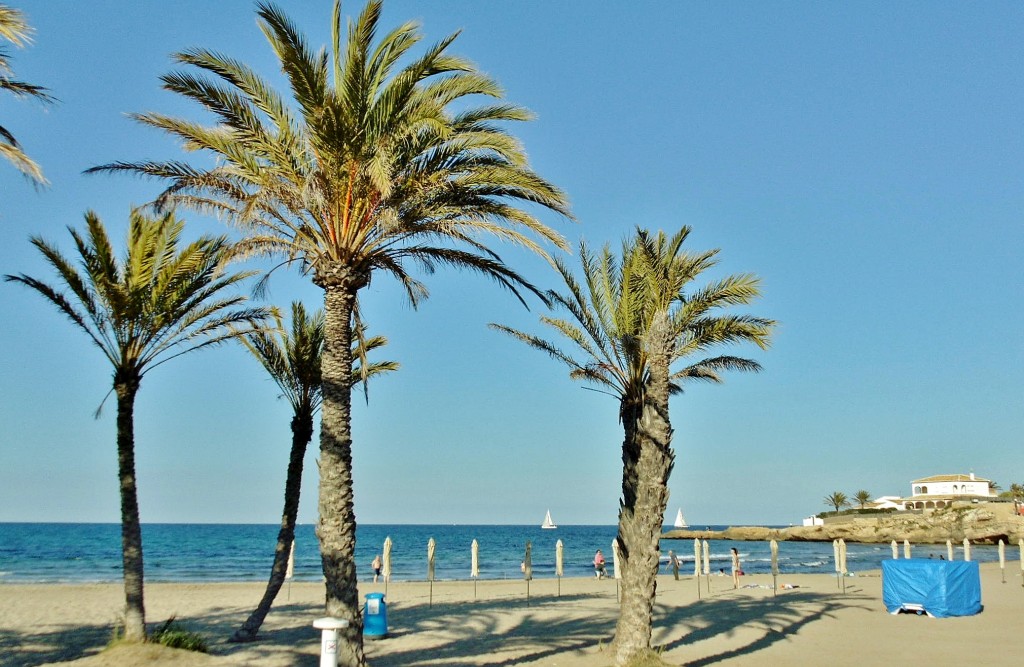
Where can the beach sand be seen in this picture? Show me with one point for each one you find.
(813, 624)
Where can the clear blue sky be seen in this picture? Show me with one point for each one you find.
(866, 160)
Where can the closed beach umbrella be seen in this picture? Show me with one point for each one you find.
(615, 559)
(696, 563)
(895, 550)
(1002, 559)
(474, 564)
(774, 546)
(528, 562)
(559, 563)
(707, 557)
(835, 559)
(967, 549)
(431, 550)
(949, 549)
(842, 562)
(906, 549)
(289, 571)
(385, 561)
(1020, 546)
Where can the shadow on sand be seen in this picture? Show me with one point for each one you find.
(479, 633)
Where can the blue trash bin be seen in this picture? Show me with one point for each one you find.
(375, 616)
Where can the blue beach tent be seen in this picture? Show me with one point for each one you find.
(937, 587)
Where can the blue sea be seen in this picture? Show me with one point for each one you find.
(51, 552)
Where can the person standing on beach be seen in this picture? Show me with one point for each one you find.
(735, 567)
(599, 564)
(376, 567)
(673, 562)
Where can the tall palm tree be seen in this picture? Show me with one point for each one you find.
(162, 300)
(838, 500)
(15, 29)
(633, 318)
(862, 497)
(293, 362)
(375, 166)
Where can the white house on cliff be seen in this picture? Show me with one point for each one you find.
(940, 491)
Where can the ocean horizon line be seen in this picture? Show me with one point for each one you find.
(385, 523)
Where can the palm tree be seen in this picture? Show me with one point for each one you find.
(376, 166)
(293, 362)
(157, 303)
(15, 29)
(633, 318)
(837, 500)
(862, 497)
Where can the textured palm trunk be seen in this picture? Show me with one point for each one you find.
(336, 527)
(647, 461)
(131, 528)
(302, 433)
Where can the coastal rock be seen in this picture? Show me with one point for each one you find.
(982, 524)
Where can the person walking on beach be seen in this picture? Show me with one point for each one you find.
(735, 568)
(599, 564)
(376, 567)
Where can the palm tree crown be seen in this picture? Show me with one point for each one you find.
(372, 168)
(293, 359)
(612, 312)
(160, 301)
(15, 29)
(837, 499)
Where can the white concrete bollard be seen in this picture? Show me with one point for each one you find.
(329, 639)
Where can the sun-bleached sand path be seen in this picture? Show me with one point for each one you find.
(808, 625)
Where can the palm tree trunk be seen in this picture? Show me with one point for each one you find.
(336, 527)
(647, 459)
(302, 433)
(131, 528)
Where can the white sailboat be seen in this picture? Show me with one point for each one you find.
(680, 521)
(548, 523)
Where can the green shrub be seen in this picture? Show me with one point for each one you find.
(172, 635)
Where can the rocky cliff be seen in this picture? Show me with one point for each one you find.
(982, 524)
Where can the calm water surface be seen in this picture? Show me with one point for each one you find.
(48, 552)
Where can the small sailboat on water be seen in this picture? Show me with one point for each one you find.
(680, 521)
(548, 523)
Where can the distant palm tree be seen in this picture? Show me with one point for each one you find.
(161, 301)
(383, 162)
(15, 29)
(293, 362)
(837, 500)
(862, 497)
(633, 318)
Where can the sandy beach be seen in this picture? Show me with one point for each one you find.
(813, 623)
